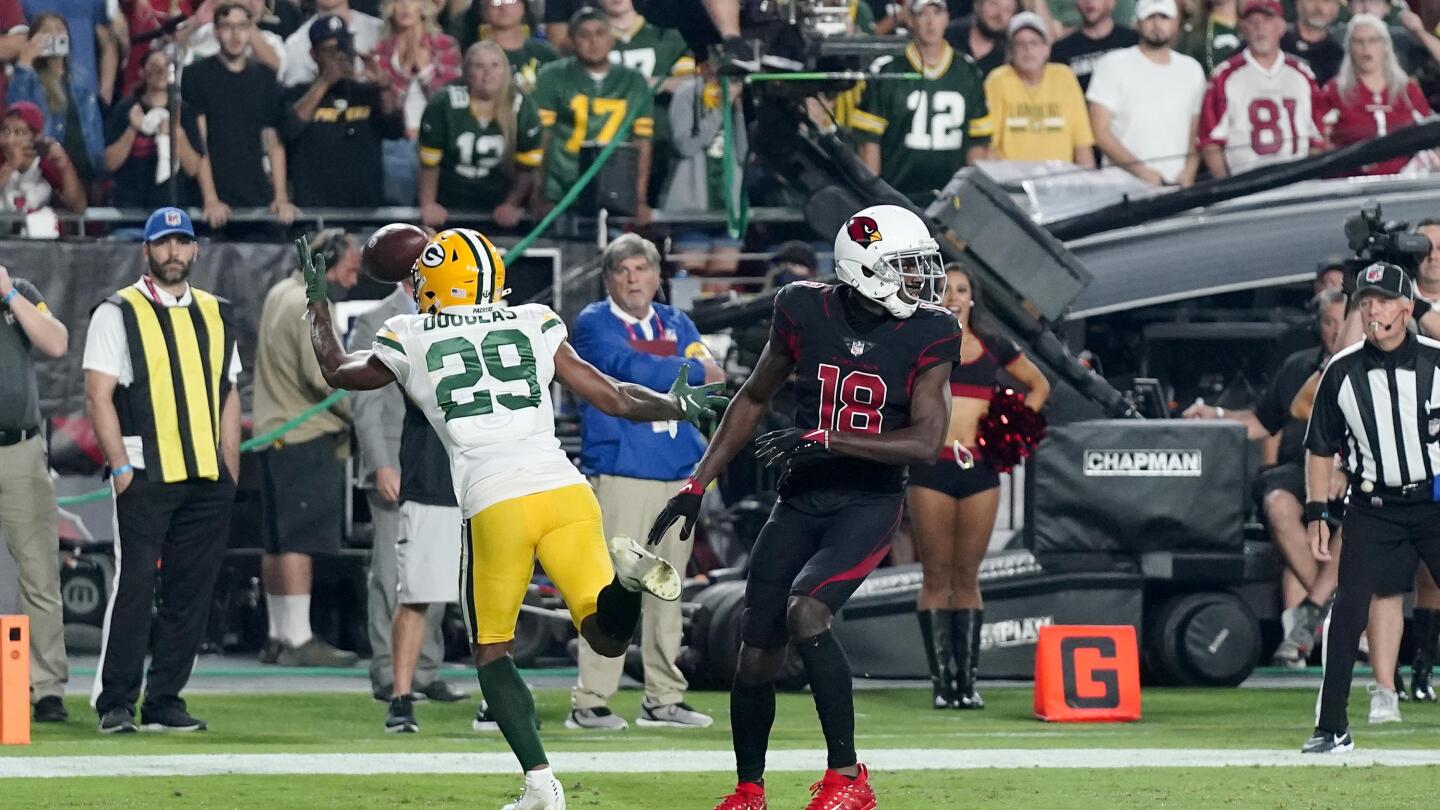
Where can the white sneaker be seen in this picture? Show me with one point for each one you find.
(599, 718)
(639, 570)
(674, 715)
(1384, 705)
(542, 792)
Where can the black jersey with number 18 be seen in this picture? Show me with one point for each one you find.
(854, 373)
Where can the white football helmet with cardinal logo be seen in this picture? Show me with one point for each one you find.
(886, 253)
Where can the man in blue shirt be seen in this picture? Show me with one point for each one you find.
(635, 468)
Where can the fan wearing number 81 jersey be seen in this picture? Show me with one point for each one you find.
(1256, 116)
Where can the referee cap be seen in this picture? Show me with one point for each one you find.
(1383, 278)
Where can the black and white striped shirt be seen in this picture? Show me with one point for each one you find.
(1383, 410)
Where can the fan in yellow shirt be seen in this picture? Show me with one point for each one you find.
(1038, 108)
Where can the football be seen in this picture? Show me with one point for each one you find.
(390, 253)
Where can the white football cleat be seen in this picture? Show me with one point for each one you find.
(542, 792)
(639, 570)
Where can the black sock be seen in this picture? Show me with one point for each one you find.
(752, 713)
(829, 672)
(513, 710)
(617, 610)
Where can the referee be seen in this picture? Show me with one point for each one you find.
(1379, 403)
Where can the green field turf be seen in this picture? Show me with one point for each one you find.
(1276, 719)
(1201, 788)
(886, 718)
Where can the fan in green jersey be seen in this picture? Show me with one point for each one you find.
(480, 143)
(662, 55)
(917, 134)
(584, 99)
(504, 22)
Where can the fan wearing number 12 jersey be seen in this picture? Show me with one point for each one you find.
(871, 358)
(917, 134)
(481, 372)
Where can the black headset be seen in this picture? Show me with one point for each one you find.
(330, 243)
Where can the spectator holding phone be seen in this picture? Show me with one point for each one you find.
(42, 76)
(91, 46)
(36, 172)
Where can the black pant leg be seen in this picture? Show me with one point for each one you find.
(786, 543)
(142, 518)
(193, 554)
(1369, 534)
(1426, 532)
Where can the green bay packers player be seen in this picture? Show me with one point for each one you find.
(481, 372)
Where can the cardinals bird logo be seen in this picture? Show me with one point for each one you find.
(863, 230)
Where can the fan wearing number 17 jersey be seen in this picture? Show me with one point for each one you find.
(481, 372)
(917, 134)
(871, 358)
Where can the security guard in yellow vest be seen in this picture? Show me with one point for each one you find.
(160, 370)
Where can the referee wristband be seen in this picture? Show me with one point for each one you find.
(121, 470)
(10, 296)
(1316, 510)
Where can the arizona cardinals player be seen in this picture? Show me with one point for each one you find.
(871, 358)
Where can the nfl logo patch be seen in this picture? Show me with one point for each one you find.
(1374, 273)
(172, 217)
(858, 347)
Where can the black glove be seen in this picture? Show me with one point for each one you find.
(686, 504)
(791, 444)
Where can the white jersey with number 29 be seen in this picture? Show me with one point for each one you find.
(482, 376)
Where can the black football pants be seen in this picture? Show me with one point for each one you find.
(176, 534)
(1381, 542)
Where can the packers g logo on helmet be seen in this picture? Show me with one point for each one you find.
(458, 267)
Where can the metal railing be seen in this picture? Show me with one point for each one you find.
(322, 217)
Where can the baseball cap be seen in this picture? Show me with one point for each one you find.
(28, 112)
(1271, 7)
(1146, 9)
(796, 252)
(1031, 20)
(328, 27)
(586, 14)
(1383, 278)
(1335, 262)
(166, 221)
(916, 5)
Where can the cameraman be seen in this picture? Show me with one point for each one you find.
(1280, 488)
(1426, 616)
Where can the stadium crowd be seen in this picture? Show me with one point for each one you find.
(485, 106)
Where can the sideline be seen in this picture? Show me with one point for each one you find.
(888, 759)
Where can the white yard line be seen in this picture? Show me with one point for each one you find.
(886, 759)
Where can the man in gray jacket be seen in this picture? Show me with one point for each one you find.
(379, 416)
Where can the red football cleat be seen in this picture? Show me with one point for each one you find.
(747, 796)
(836, 791)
